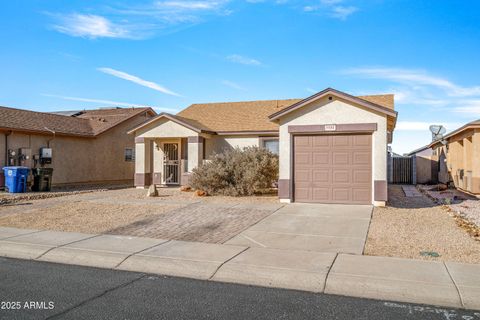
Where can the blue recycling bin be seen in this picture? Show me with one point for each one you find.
(16, 179)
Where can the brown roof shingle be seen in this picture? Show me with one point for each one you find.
(384, 100)
(250, 115)
(88, 124)
(236, 116)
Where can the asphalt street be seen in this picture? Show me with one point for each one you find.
(39, 290)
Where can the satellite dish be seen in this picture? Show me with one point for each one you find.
(437, 132)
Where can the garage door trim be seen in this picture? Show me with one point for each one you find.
(339, 128)
(362, 129)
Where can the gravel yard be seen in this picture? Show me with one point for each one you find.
(9, 198)
(171, 215)
(410, 226)
(465, 205)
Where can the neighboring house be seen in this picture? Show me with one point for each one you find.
(87, 146)
(332, 146)
(459, 157)
(426, 166)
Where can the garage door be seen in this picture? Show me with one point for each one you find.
(333, 169)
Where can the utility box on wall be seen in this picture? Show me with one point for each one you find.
(45, 155)
(11, 157)
(25, 157)
(19, 157)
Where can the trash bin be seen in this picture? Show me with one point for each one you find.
(16, 179)
(42, 179)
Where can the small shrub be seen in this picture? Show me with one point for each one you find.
(237, 172)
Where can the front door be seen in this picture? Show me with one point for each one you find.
(170, 163)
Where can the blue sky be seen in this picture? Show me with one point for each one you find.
(63, 55)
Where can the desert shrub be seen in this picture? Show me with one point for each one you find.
(237, 172)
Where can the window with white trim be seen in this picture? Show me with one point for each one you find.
(271, 145)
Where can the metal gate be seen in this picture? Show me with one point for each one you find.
(170, 163)
(402, 170)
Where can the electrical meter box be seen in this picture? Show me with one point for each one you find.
(45, 155)
(25, 157)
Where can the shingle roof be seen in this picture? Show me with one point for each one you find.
(384, 100)
(89, 123)
(103, 119)
(250, 115)
(236, 116)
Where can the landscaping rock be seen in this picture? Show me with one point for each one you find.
(442, 187)
(152, 191)
(200, 193)
(185, 188)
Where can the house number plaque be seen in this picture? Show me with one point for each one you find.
(330, 127)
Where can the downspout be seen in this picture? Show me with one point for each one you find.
(48, 141)
(6, 147)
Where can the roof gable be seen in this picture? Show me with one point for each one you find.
(365, 101)
(185, 122)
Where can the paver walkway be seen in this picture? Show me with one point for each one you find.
(172, 215)
(212, 222)
(411, 191)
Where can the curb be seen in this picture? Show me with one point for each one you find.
(383, 278)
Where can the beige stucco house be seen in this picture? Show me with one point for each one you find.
(458, 157)
(332, 146)
(87, 146)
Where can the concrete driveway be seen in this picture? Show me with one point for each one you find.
(311, 227)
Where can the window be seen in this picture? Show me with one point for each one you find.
(271, 145)
(129, 154)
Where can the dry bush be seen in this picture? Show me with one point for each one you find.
(237, 172)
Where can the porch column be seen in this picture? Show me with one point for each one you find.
(195, 152)
(143, 162)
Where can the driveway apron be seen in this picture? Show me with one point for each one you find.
(311, 227)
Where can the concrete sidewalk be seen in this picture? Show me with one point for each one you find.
(417, 281)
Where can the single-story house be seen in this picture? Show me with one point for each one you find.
(458, 156)
(332, 146)
(425, 165)
(87, 146)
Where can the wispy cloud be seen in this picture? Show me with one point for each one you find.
(108, 103)
(414, 77)
(421, 88)
(236, 58)
(424, 126)
(330, 2)
(233, 85)
(138, 21)
(418, 95)
(342, 13)
(137, 80)
(469, 107)
(91, 26)
(332, 8)
(191, 5)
